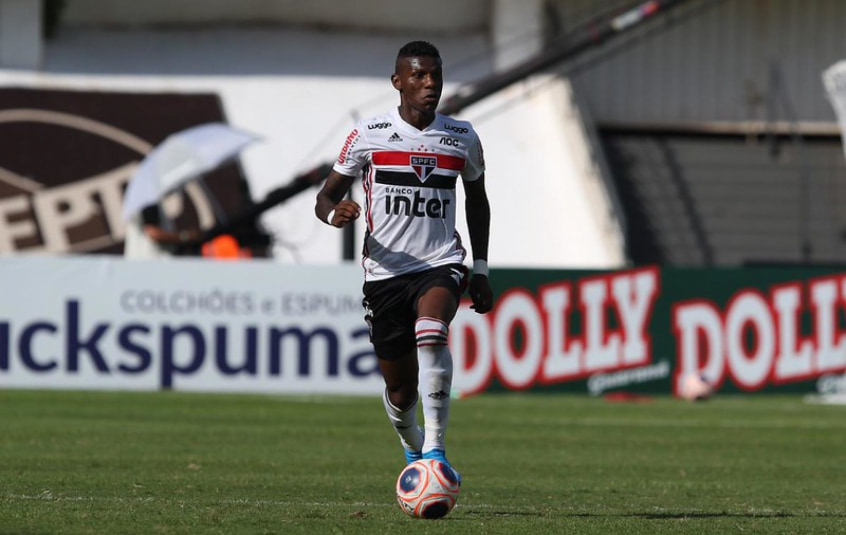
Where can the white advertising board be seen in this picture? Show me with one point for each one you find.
(192, 325)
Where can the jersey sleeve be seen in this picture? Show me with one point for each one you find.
(353, 157)
(474, 165)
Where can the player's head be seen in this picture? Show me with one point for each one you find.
(418, 75)
(416, 49)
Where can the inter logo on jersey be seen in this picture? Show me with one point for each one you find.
(423, 166)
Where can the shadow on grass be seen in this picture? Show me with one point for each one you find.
(649, 516)
(726, 514)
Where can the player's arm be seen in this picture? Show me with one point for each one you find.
(478, 211)
(331, 207)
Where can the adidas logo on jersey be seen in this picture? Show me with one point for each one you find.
(394, 137)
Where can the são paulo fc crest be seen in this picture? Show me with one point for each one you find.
(423, 166)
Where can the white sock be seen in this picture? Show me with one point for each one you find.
(405, 424)
(435, 379)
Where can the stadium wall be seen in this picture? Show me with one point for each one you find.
(371, 15)
(100, 323)
(713, 65)
(551, 210)
(20, 34)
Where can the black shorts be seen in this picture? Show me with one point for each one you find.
(391, 306)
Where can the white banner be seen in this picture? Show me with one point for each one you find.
(194, 325)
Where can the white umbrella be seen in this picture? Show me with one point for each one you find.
(179, 158)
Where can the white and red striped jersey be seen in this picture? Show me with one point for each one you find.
(409, 178)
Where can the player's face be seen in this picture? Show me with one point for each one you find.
(420, 81)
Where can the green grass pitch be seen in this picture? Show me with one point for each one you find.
(167, 462)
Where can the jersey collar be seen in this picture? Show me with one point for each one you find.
(398, 120)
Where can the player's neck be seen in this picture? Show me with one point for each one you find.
(416, 118)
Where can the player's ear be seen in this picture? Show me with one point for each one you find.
(396, 82)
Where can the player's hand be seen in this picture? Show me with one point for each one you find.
(346, 211)
(481, 294)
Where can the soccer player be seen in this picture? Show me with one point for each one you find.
(410, 159)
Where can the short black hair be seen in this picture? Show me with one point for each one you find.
(418, 48)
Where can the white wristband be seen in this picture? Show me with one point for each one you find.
(480, 267)
(329, 217)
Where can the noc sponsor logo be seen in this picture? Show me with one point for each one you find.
(449, 141)
(379, 126)
(456, 129)
(178, 350)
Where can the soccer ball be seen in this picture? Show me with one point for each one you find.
(696, 387)
(427, 489)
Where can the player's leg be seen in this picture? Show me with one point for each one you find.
(400, 400)
(391, 322)
(435, 310)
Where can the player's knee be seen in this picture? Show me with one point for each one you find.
(402, 396)
(431, 333)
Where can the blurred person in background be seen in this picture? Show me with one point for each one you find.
(150, 235)
(414, 274)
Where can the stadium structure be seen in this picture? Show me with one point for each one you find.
(699, 137)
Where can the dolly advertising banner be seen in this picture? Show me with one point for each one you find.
(96, 322)
(643, 330)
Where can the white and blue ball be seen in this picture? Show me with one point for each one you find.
(427, 489)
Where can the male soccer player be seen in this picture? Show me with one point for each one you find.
(413, 259)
